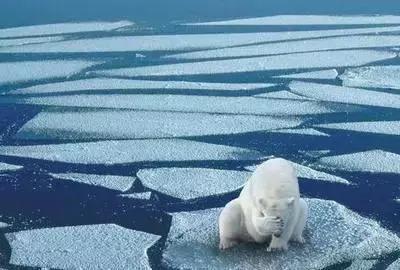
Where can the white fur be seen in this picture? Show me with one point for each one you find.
(268, 208)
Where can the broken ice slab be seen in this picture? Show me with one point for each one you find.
(103, 246)
(362, 265)
(128, 151)
(325, 74)
(114, 182)
(334, 235)
(322, 59)
(137, 196)
(192, 183)
(377, 161)
(61, 28)
(143, 124)
(314, 153)
(14, 72)
(300, 131)
(109, 84)
(334, 93)
(372, 77)
(395, 265)
(5, 167)
(3, 225)
(380, 127)
(283, 94)
(26, 41)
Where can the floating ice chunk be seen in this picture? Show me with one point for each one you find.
(3, 225)
(341, 94)
(192, 183)
(126, 151)
(315, 153)
(25, 41)
(100, 84)
(362, 265)
(180, 103)
(323, 59)
(326, 74)
(283, 94)
(335, 235)
(308, 20)
(300, 131)
(397, 200)
(143, 124)
(9, 167)
(375, 76)
(380, 127)
(298, 46)
(137, 196)
(13, 72)
(369, 161)
(104, 246)
(395, 265)
(114, 182)
(61, 28)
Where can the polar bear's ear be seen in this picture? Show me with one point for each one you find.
(290, 201)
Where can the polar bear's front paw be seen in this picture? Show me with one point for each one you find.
(300, 239)
(227, 243)
(275, 224)
(277, 245)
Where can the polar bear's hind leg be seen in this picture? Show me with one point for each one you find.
(230, 225)
(301, 223)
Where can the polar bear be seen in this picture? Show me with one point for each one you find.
(268, 208)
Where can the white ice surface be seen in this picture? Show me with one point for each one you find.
(126, 151)
(380, 127)
(397, 200)
(323, 59)
(9, 167)
(369, 161)
(374, 76)
(137, 196)
(283, 94)
(103, 246)
(104, 84)
(308, 20)
(3, 225)
(180, 103)
(395, 265)
(13, 72)
(311, 45)
(334, 235)
(326, 74)
(300, 131)
(61, 28)
(192, 183)
(333, 93)
(362, 265)
(25, 41)
(315, 153)
(114, 182)
(143, 124)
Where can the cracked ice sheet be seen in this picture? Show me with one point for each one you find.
(327, 74)
(114, 182)
(13, 72)
(4, 167)
(137, 196)
(61, 28)
(127, 151)
(324, 59)
(180, 103)
(394, 266)
(283, 94)
(192, 183)
(373, 77)
(333, 93)
(103, 246)
(334, 235)
(311, 45)
(380, 127)
(101, 84)
(377, 161)
(182, 42)
(142, 125)
(25, 41)
(308, 20)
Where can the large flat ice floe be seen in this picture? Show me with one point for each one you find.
(144, 124)
(324, 59)
(127, 151)
(114, 182)
(334, 235)
(375, 77)
(180, 103)
(108, 84)
(325, 74)
(377, 161)
(14, 72)
(61, 28)
(380, 127)
(25, 41)
(333, 93)
(192, 183)
(104, 246)
(5, 167)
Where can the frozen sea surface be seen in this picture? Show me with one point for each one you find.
(375, 76)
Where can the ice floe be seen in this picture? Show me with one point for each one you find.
(300, 46)
(334, 235)
(369, 161)
(143, 124)
(192, 183)
(13, 72)
(25, 41)
(380, 127)
(322, 59)
(282, 94)
(3, 225)
(114, 182)
(348, 95)
(61, 28)
(397, 200)
(326, 74)
(180, 103)
(300, 131)
(126, 151)
(9, 167)
(374, 76)
(137, 196)
(314, 153)
(103, 246)
(362, 265)
(395, 265)
(101, 84)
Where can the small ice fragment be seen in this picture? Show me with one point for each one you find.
(300, 131)
(4, 167)
(283, 94)
(4, 225)
(380, 127)
(137, 196)
(326, 74)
